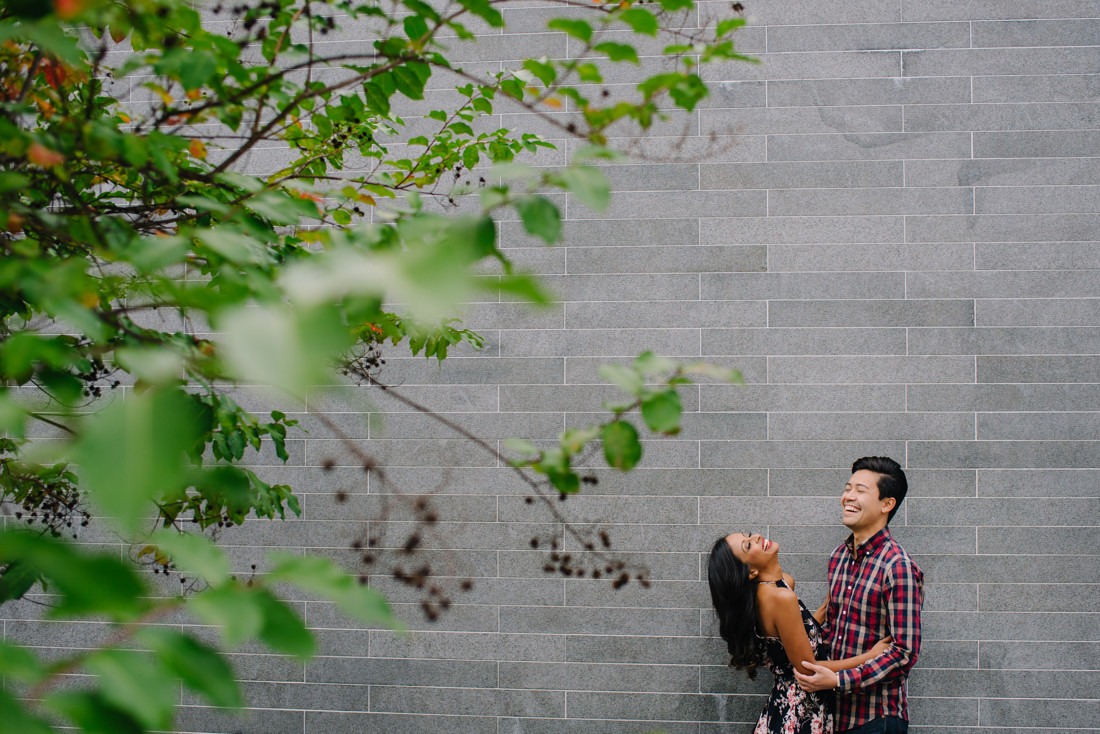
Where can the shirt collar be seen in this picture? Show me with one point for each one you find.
(873, 543)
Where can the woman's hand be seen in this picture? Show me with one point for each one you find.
(882, 646)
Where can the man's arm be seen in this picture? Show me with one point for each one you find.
(904, 597)
(821, 612)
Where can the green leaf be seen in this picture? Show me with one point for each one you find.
(621, 447)
(322, 576)
(566, 482)
(617, 51)
(11, 181)
(131, 681)
(195, 554)
(484, 10)
(283, 630)
(688, 92)
(662, 410)
(204, 203)
(16, 580)
(588, 184)
(93, 713)
(470, 156)
(526, 287)
(341, 216)
(723, 374)
(641, 20)
(135, 449)
(200, 67)
(727, 25)
(377, 99)
(674, 5)
(623, 376)
(86, 583)
(19, 663)
(573, 440)
(576, 28)
(416, 27)
(544, 71)
(649, 363)
(233, 608)
(201, 668)
(409, 83)
(157, 365)
(50, 36)
(150, 254)
(540, 217)
(20, 352)
(13, 419)
(282, 346)
(236, 247)
(16, 718)
(279, 208)
(519, 446)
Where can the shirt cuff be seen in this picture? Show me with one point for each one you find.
(847, 680)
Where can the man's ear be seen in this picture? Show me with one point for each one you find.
(889, 503)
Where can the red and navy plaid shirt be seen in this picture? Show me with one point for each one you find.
(875, 590)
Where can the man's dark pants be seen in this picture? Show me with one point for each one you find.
(881, 725)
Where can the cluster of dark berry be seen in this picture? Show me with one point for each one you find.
(95, 378)
(594, 564)
(372, 549)
(56, 511)
(363, 363)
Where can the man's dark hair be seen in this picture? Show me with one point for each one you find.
(891, 481)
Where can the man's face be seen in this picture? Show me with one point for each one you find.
(861, 507)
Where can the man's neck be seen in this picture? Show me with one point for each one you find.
(859, 537)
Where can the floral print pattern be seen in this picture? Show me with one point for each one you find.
(791, 710)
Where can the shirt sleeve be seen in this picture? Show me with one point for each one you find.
(904, 597)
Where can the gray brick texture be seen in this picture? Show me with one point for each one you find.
(897, 241)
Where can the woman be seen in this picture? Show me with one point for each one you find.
(764, 623)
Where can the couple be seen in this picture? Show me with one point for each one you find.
(869, 625)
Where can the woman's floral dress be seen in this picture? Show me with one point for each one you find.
(791, 710)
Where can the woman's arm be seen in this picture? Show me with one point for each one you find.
(779, 611)
(879, 647)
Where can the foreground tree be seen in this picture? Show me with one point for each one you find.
(140, 258)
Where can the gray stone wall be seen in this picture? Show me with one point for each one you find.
(894, 235)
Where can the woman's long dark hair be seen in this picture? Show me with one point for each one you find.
(734, 599)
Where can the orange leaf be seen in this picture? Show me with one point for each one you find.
(54, 73)
(42, 156)
(197, 148)
(89, 300)
(194, 94)
(552, 102)
(15, 223)
(68, 9)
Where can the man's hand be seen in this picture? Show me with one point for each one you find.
(822, 679)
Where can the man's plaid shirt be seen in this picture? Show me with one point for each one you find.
(874, 591)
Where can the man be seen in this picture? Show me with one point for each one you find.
(875, 591)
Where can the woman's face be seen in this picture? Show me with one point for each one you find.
(752, 549)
